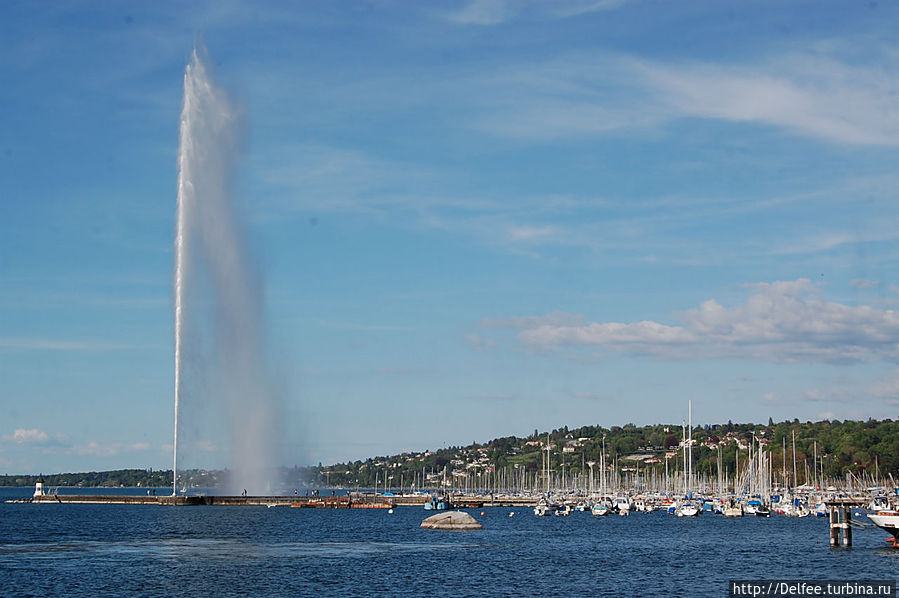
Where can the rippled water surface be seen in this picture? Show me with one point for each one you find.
(99, 550)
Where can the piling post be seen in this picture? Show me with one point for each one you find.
(834, 527)
(847, 528)
(841, 525)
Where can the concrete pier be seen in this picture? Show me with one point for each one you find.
(327, 502)
(96, 499)
(361, 500)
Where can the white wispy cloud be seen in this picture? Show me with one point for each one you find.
(638, 337)
(206, 446)
(320, 180)
(887, 388)
(23, 436)
(556, 318)
(48, 443)
(98, 449)
(34, 437)
(811, 95)
(863, 283)
(495, 12)
(833, 394)
(45, 344)
(483, 12)
(478, 342)
(108, 449)
(573, 8)
(529, 233)
(325, 179)
(782, 322)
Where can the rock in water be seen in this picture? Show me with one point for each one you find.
(454, 520)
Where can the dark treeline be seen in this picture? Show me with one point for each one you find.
(848, 447)
(147, 478)
(129, 478)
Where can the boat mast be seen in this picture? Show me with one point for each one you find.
(816, 465)
(794, 459)
(602, 466)
(720, 473)
(683, 428)
(784, 467)
(690, 441)
(546, 474)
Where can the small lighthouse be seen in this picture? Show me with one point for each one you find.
(39, 486)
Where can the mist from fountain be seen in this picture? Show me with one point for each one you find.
(225, 402)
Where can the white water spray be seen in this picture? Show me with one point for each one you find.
(230, 402)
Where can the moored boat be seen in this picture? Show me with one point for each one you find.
(733, 509)
(688, 509)
(887, 521)
(543, 508)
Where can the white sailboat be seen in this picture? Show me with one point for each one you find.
(545, 507)
(688, 508)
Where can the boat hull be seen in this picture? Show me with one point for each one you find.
(888, 522)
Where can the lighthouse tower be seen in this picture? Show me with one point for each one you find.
(39, 486)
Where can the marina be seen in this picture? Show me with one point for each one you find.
(883, 507)
(754, 490)
(876, 506)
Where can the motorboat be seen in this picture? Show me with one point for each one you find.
(733, 509)
(887, 521)
(543, 508)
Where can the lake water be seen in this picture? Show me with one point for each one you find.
(111, 550)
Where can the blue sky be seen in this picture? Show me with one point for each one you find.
(473, 219)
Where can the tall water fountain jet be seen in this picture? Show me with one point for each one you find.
(222, 387)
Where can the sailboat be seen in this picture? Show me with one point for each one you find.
(545, 507)
(688, 508)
